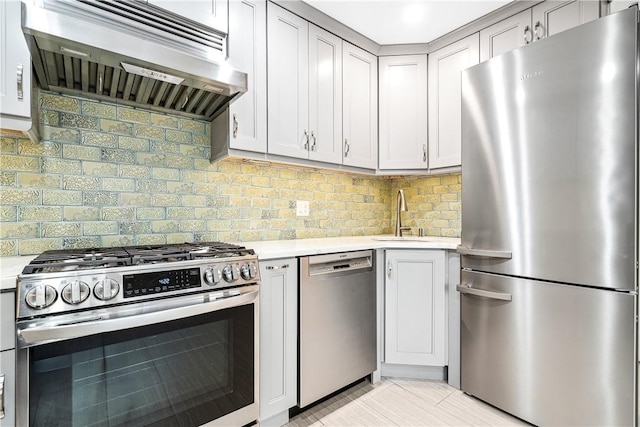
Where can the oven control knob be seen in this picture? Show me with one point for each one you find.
(41, 296)
(75, 292)
(212, 276)
(230, 273)
(249, 271)
(106, 289)
(245, 272)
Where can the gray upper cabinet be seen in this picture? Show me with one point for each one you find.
(403, 112)
(360, 103)
(304, 70)
(288, 83)
(243, 126)
(506, 35)
(15, 70)
(445, 65)
(543, 20)
(212, 13)
(325, 96)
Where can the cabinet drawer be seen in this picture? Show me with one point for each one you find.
(7, 320)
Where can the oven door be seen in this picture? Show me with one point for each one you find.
(186, 361)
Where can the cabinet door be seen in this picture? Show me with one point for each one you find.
(506, 35)
(278, 336)
(360, 103)
(15, 69)
(618, 5)
(415, 308)
(445, 65)
(212, 13)
(247, 49)
(7, 320)
(325, 96)
(403, 112)
(288, 83)
(8, 385)
(553, 17)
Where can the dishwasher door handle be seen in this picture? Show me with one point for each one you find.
(467, 289)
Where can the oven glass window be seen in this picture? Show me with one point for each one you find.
(180, 373)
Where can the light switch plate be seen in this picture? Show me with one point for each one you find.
(302, 208)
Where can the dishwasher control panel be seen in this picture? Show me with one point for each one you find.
(334, 263)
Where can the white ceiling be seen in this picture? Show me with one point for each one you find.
(405, 21)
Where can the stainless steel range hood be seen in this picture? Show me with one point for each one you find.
(130, 52)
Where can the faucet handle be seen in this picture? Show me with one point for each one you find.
(404, 229)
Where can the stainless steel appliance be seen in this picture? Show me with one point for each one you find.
(133, 336)
(131, 52)
(549, 227)
(337, 322)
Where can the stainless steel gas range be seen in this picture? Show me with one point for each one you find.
(136, 336)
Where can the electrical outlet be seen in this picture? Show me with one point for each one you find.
(302, 208)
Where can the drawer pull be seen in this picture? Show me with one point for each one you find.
(277, 267)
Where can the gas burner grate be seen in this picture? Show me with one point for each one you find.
(77, 259)
(94, 258)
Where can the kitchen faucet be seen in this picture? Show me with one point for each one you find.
(401, 207)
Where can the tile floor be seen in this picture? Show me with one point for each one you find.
(403, 402)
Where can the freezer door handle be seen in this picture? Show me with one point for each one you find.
(483, 253)
(467, 289)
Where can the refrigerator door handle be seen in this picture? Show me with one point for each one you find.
(467, 289)
(462, 250)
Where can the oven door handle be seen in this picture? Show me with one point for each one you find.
(31, 335)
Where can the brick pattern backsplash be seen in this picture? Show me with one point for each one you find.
(108, 175)
(433, 204)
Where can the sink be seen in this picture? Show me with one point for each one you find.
(405, 238)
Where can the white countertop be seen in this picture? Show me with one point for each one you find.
(274, 249)
(10, 267)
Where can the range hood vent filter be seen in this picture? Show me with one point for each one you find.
(131, 53)
(77, 76)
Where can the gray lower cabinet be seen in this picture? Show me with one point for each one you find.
(278, 340)
(415, 322)
(7, 359)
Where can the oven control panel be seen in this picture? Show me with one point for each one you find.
(160, 281)
(44, 294)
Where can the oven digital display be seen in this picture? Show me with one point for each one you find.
(136, 285)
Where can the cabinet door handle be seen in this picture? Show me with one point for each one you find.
(235, 125)
(424, 153)
(537, 27)
(306, 140)
(467, 289)
(19, 79)
(346, 147)
(389, 269)
(1, 396)
(528, 35)
(277, 267)
(100, 84)
(313, 145)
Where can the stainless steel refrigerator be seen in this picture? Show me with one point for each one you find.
(549, 227)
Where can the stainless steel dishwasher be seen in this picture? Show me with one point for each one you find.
(337, 322)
